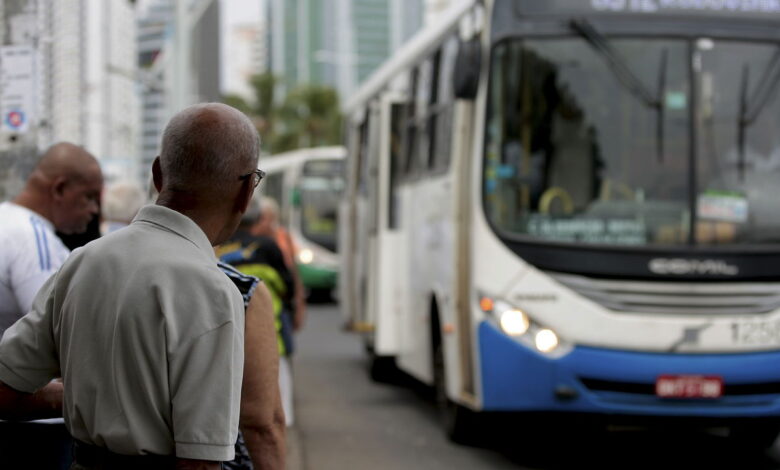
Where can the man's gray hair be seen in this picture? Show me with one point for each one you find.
(207, 144)
(122, 201)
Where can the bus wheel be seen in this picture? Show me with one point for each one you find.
(459, 423)
(382, 369)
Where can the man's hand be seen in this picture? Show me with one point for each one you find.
(20, 406)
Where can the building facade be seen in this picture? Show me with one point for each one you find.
(153, 25)
(81, 87)
(336, 42)
(179, 61)
(244, 57)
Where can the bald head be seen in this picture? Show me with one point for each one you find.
(67, 160)
(207, 146)
(64, 187)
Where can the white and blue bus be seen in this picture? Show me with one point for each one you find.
(570, 206)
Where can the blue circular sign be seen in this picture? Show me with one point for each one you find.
(15, 119)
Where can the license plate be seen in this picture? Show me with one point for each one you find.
(689, 386)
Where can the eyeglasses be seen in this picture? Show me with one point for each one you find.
(257, 174)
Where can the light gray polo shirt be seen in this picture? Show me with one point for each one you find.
(148, 335)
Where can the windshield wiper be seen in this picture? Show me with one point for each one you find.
(742, 122)
(659, 120)
(625, 75)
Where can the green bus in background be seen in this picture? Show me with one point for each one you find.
(307, 184)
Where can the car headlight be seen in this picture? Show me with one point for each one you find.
(516, 323)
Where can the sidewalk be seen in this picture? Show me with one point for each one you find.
(295, 460)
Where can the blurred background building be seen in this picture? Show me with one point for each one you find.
(336, 42)
(244, 56)
(107, 74)
(179, 61)
(78, 84)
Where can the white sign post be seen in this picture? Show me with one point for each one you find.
(17, 88)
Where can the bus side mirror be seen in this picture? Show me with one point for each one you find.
(467, 65)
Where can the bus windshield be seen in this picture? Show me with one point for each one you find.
(321, 185)
(589, 140)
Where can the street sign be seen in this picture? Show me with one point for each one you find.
(17, 88)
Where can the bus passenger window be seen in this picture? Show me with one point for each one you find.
(445, 98)
(410, 129)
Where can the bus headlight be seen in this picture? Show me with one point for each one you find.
(518, 324)
(305, 256)
(514, 322)
(546, 340)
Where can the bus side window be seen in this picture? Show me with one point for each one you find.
(444, 108)
(410, 128)
(362, 158)
(397, 112)
(422, 102)
(434, 111)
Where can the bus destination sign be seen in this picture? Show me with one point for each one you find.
(730, 8)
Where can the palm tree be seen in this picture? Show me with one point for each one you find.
(309, 116)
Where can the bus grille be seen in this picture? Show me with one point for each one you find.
(676, 298)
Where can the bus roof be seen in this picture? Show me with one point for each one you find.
(279, 160)
(731, 9)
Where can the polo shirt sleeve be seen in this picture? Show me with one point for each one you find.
(205, 378)
(28, 353)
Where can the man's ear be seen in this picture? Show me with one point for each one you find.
(58, 187)
(157, 176)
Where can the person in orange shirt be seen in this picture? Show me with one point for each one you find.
(268, 225)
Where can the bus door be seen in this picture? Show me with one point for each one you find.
(388, 258)
(353, 233)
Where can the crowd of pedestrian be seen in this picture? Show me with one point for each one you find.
(147, 348)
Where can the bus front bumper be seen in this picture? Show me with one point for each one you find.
(593, 380)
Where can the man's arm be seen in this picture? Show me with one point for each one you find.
(21, 406)
(262, 418)
(29, 362)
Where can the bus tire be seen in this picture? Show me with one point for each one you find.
(460, 424)
(382, 369)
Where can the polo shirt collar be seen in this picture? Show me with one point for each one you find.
(177, 223)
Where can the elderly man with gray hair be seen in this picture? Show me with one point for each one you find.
(148, 333)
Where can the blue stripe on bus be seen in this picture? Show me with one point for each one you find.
(37, 243)
(517, 378)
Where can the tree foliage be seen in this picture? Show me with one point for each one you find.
(308, 116)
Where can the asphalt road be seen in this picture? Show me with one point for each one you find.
(345, 421)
